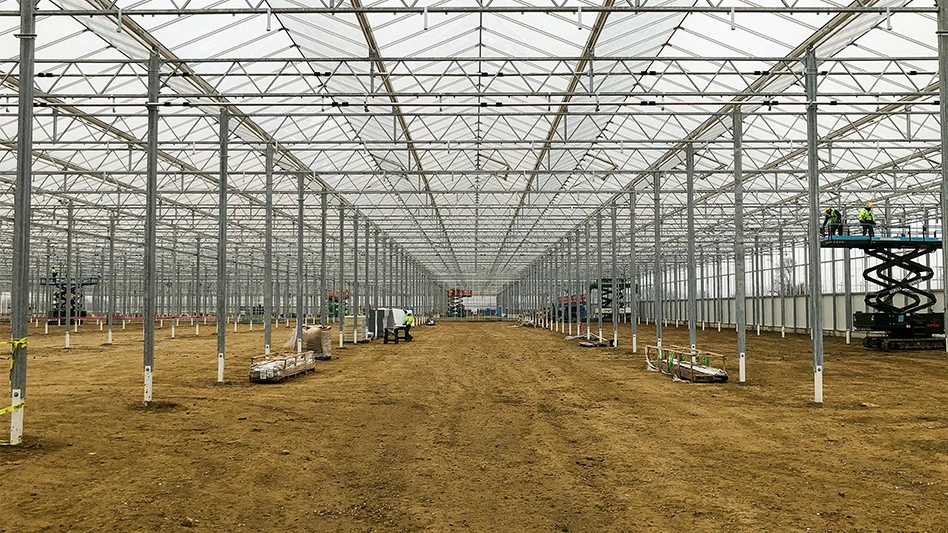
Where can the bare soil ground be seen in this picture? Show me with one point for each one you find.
(476, 427)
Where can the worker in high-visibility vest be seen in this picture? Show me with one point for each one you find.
(867, 220)
(409, 320)
(835, 220)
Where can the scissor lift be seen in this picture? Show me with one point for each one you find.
(895, 326)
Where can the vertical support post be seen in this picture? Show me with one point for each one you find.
(112, 289)
(300, 187)
(634, 275)
(599, 282)
(616, 286)
(67, 295)
(568, 263)
(341, 283)
(355, 276)
(848, 290)
(783, 285)
(942, 32)
(20, 305)
(151, 224)
(739, 281)
(692, 279)
(222, 247)
(580, 296)
(813, 189)
(268, 254)
(657, 276)
(324, 218)
(376, 282)
(365, 289)
(586, 288)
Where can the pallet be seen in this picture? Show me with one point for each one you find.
(276, 368)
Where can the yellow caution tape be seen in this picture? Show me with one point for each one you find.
(12, 408)
(17, 345)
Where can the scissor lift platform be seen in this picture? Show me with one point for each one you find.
(893, 326)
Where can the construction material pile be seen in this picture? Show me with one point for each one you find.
(353, 328)
(316, 339)
(686, 364)
(273, 368)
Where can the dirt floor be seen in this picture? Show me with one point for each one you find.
(476, 427)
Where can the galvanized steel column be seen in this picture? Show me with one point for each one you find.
(813, 189)
(739, 289)
(692, 280)
(943, 113)
(341, 283)
(268, 253)
(848, 290)
(323, 216)
(783, 285)
(616, 286)
(657, 276)
(20, 286)
(67, 296)
(355, 274)
(300, 187)
(634, 275)
(586, 287)
(151, 223)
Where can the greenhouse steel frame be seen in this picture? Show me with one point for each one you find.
(487, 145)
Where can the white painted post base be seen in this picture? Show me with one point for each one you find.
(148, 377)
(16, 419)
(192, 320)
(75, 326)
(742, 368)
(758, 330)
(109, 338)
(847, 336)
(702, 325)
(783, 332)
(46, 329)
(266, 349)
(251, 324)
(205, 321)
(172, 331)
(197, 329)
(615, 339)
(635, 343)
(220, 367)
(818, 385)
(299, 345)
(67, 338)
(161, 323)
(123, 325)
(235, 325)
(719, 327)
(341, 338)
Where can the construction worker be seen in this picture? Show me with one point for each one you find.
(835, 220)
(409, 320)
(867, 220)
